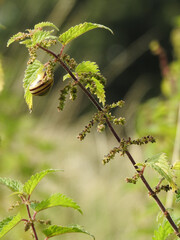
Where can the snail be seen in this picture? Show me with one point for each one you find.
(41, 85)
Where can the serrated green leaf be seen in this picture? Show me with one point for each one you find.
(55, 230)
(27, 42)
(30, 75)
(163, 231)
(15, 37)
(39, 36)
(100, 92)
(56, 199)
(45, 24)
(7, 224)
(160, 164)
(176, 166)
(66, 76)
(29, 99)
(30, 185)
(84, 67)
(13, 185)
(154, 158)
(87, 66)
(78, 30)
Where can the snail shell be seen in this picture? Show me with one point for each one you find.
(40, 87)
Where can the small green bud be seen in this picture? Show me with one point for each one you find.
(100, 127)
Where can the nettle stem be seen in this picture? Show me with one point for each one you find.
(30, 218)
(97, 105)
(32, 224)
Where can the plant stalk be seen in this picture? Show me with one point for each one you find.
(93, 100)
(32, 224)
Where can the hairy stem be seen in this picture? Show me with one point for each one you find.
(97, 105)
(30, 218)
(32, 224)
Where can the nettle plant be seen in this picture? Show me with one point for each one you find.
(87, 77)
(34, 207)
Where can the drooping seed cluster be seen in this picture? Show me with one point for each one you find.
(70, 62)
(124, 144)
(70, 89)
(87, 78)
(101, 118)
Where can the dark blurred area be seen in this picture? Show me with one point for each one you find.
(124, 57)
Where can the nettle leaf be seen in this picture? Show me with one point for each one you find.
(30, 185)
(100, 92)
(160, 164)
(163, 231)
(39, 36)
(8, 223)
(13, 185)
(66, 76)
(45, 24)
(176, 166)
(27, 42)
(87, 66)
(15, 37)
(30, 75)
(84, 67)
(56, 199)
(91, 67)
(55, 230)
(78, 30)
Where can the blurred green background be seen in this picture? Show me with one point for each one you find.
(46, 138)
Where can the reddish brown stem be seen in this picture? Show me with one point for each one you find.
(24, 220)
(61, 50)
(93, 100)
(30, 218)
(32, 224)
